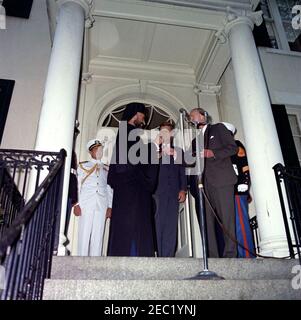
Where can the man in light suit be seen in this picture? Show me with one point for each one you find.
(95, 201)
(218, 179)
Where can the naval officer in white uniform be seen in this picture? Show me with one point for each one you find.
(95, 201)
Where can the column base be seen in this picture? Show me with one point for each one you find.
(274, 247)
(62, 250)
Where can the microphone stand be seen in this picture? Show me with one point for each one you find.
(205, 274)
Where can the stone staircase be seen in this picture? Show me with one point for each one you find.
(119, 278)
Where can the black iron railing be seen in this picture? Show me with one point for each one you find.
(26, 243)
(20, 176)
(289, 183)
(11, 200)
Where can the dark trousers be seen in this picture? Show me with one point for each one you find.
(166, 218)
(57, 226)
(222, 201)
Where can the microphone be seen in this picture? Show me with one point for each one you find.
(186, 116)
(184, 111)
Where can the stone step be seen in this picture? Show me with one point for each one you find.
(134, 268)
(170, 290)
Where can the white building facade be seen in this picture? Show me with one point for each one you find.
(90, 57)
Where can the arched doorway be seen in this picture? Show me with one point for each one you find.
(108, 126)
(109, 116)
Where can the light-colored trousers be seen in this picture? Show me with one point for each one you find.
(91, 226)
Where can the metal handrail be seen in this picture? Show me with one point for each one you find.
(11, 200)
(10, 236)
(289, 187)
(26, 246)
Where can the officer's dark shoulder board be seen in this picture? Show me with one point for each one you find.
(81, 164)
(106, 167)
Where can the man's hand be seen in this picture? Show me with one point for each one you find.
(169, 151)
(77, 210)
(207, 153)
(158, 140)
(182, 196)
(109, 213)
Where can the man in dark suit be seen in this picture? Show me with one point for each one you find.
(218, 179)
(171, 190)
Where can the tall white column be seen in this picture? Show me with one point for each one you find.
(57, 119)
(259, 130)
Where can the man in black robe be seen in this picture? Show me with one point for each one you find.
(133, 182)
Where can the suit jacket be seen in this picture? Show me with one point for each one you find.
(218, 171)
(172, 178)
(73, 188)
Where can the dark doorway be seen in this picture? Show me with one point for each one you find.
(18, 8)
(285, 135)
(6, 91)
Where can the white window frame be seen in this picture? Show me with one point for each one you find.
(281, 37)
(296, 111)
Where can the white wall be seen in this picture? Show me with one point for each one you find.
(283, 75)
(24, 55)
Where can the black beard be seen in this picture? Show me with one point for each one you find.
(139, 124)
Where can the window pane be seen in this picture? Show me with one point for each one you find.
(294, 124)
(285, 10)
(296, 133)
(298, 146)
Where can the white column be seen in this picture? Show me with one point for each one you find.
(260, 132)
(57, 119)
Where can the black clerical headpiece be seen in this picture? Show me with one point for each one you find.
(131, 110)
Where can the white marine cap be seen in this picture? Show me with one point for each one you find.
(93, 143)
(229, 126)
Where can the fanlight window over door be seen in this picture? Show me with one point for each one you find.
(109, 127)
(155, 116)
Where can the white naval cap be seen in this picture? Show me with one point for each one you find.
(229, 126)
(93, 143)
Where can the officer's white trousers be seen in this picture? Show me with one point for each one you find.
(91, 226)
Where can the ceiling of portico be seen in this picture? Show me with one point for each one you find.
(152, 41)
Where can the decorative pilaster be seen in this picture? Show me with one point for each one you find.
(207, 89)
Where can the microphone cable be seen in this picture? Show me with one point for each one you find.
(230, 236)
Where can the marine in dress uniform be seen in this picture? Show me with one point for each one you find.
(241, 191)
(95, 198)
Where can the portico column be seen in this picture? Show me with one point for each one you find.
(259, 130)
(57, 119)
